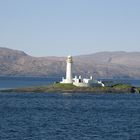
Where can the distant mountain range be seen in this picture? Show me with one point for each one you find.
(100, 65)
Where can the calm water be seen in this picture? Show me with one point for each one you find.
(15, 82)
(44, 116)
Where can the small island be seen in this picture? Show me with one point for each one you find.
(70, 88)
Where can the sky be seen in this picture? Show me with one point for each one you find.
(63, 27)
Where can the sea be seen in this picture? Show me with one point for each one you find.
(67, 116)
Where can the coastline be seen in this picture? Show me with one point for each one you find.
(69, 88)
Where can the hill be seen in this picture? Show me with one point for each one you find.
(100, 65)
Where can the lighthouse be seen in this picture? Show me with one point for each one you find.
(69, 69)
(69, 78)
(79, 81)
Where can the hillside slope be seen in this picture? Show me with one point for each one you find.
(100, 65)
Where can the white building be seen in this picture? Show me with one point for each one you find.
(78, 81)
(85, 82)
(69, 78)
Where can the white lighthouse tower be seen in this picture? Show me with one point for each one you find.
(69, 69)
(69, 78)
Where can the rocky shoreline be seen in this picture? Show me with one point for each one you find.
(69, 88)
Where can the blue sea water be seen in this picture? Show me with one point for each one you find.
(45, 116)
(15, 82)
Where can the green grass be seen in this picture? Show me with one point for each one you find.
(138, 89)
(122, 86)
(59, 87)
(64, 86)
